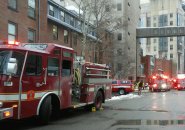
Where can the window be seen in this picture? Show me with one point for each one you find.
(71, 21)
(171, 47)
(119, 7)
(171, 22)
(163, 44)
(67, 18)
(66, 36)
(5, 56)
(155, 49)
(171, 15)
(148, 22)
(12, 4)
(148, 43)
(34, 65)
(155, 40)
(31, 36)
(53, 67)
(163, 20)
(171, 38)
(155, 25)
(66, 68)
(51, 10)
(61, 15)
(171, 56)
(55, 32)
(114, 82)
(12, 31)
(119, 36)
(31, 8)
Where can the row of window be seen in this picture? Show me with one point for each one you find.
(171, 48)
(155, 40)
(160, 25)
(163, 20)
(13, 33)
(13, 5)
(66, 17)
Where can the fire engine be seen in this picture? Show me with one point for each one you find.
(40, 79)
(159, 83)
(179, 82)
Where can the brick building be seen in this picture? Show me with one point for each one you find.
(47, 21)
(154, 65)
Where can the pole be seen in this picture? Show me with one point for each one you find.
(137, 41)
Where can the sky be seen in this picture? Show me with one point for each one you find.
(144, 1)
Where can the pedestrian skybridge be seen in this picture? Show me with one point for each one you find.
(150, 32)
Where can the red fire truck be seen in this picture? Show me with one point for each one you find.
(159, 83)
(41, 79)
(179, 82)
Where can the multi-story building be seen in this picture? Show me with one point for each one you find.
(161, 13)
(47, 21)
(125, 48)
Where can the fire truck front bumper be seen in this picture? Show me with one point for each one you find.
(6, 113)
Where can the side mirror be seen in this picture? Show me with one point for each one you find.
(12, 66)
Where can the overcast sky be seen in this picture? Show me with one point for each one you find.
(144, 1)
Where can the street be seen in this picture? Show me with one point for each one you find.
(150, 111)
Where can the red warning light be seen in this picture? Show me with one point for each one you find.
(154, 77)
(13, 43)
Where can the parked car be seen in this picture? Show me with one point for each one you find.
(122, 86)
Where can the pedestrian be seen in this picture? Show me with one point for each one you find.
(140, 86)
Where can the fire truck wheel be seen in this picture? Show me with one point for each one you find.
(98, 100)
(121, 91)
(45, 111)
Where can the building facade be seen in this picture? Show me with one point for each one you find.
(126, 52)
(48, 21)
(163, 13)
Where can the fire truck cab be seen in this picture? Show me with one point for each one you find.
(40, 79)
(159, 83)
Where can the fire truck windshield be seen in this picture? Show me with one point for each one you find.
(5, 56)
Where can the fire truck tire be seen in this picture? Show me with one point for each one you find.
(45, 111)
(121, 91)
(98, 100)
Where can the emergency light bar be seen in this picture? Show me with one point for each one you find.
(13, 43)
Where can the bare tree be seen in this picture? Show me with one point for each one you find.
(96, 17)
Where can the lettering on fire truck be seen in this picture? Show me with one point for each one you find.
(39, 79)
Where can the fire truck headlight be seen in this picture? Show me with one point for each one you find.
(1, 104)
(164, 86)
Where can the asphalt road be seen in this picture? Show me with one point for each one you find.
(150, 111)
